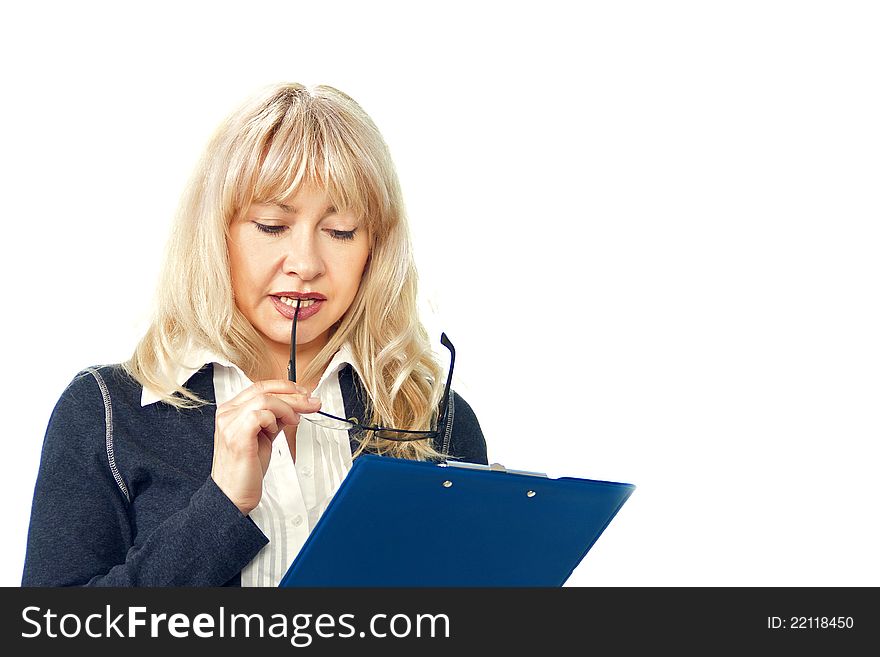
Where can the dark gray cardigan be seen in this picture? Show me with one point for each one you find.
(124, 495)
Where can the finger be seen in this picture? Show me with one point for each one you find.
(267, 386)
(299, 403)
(278, 407)
(266, 422)
(264, 451)
(239, 438)
(267, 428)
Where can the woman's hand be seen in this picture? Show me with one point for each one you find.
(244, 428)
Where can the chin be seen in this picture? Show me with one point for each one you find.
(305, 337)
(277, 329)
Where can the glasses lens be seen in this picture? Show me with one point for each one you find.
(404, 435)
(345, 425)
(328, 422)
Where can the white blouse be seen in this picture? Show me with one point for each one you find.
(294, 495)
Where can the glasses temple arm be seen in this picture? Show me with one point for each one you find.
(444, 404)
(291, 364)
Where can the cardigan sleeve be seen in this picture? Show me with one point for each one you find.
(80, 530)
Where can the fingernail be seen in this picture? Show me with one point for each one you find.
(314, 400)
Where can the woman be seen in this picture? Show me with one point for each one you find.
(191, 464)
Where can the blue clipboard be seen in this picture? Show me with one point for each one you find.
(396, 522)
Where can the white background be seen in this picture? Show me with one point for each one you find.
(651, 230)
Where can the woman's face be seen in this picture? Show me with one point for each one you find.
(299, 248)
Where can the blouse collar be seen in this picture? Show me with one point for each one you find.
(196, 357)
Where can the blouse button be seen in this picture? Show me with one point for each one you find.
(306, 471)
(297, 521)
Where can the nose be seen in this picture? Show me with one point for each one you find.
(302, 257)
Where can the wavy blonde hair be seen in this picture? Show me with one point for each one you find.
(284, 137)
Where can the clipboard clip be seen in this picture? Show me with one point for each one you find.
(494, 467)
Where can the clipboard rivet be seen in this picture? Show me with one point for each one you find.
(530, 493)
(447, 484)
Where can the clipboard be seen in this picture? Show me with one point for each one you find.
(397, 522)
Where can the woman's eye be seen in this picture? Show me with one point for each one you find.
(272, 230)
(276, 230)
(343, 234)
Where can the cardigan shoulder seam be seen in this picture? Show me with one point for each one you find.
(108, 431)
(450, 418)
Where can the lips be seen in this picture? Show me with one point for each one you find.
(310, 304)
(300, 295)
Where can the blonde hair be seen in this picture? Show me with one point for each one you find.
(285, 137)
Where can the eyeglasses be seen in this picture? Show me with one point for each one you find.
(329, 421)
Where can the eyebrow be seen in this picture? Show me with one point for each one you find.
(291, 210)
